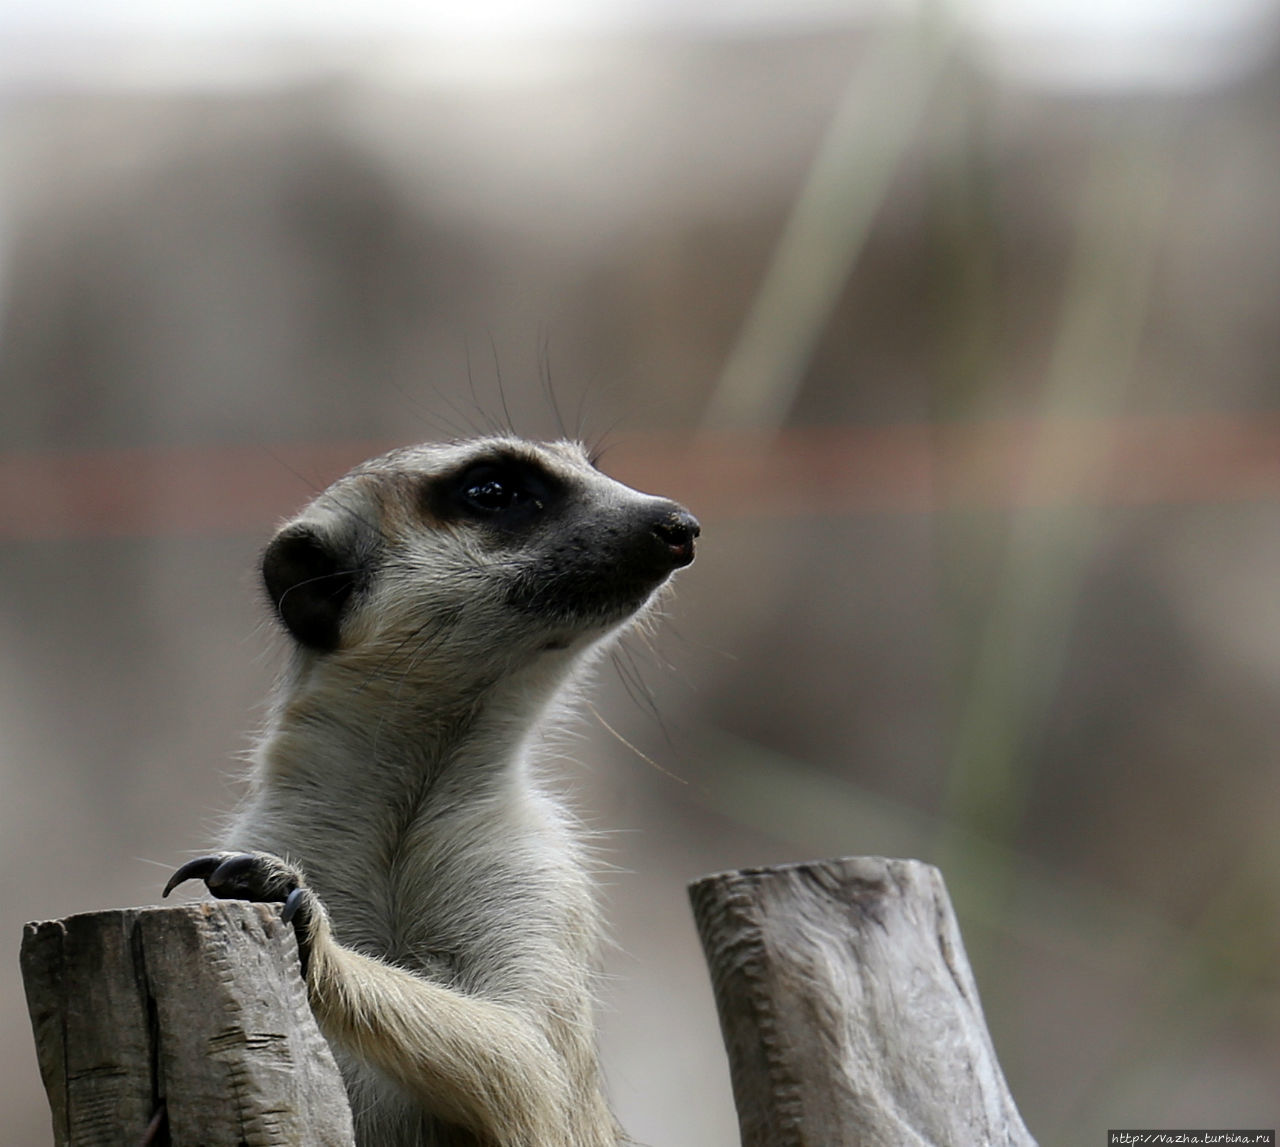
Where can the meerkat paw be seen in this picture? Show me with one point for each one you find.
(256, 876)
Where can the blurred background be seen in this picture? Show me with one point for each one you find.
(957, 324)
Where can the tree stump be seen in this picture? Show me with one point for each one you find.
(187, 1026)
(849, 1010)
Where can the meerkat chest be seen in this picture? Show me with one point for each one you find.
(463, 897)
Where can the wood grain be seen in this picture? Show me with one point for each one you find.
(199, 1007)
(848, 1008)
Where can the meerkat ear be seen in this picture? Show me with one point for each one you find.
(309, 576)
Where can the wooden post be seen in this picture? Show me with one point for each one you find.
(848, 1008)
(185, 1026)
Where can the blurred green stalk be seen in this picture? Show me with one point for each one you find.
(1007, 675)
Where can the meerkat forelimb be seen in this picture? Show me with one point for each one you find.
(439, 599)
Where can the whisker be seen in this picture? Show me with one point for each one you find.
(544, 372)
(491, 424)
(502, 390)
(313, 580)
(623, 740)
(434, 419)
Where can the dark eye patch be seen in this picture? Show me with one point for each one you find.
(504, 492)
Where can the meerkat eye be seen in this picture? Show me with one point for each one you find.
(491, 494)
(489, 490)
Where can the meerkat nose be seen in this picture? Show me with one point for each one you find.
(676, 530)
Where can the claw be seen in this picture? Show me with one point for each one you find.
(198, 869)
(230, 868)
(292, 904)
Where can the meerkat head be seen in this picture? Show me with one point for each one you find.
(472, 555)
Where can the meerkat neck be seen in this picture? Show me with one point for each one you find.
(324, 768)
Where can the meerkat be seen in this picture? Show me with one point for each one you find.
(439, 601)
